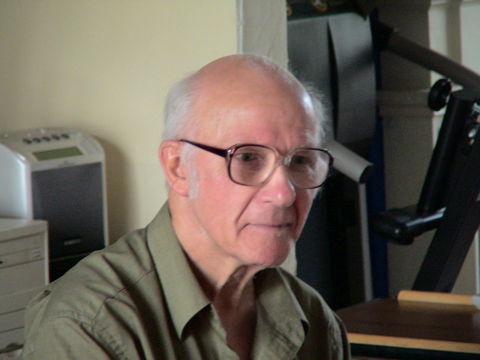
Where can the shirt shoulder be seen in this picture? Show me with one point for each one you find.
(100, 276)
(86, 292)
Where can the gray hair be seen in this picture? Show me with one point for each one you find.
(319, 109)
(178, 105)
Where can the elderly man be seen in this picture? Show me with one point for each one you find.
(242, 160)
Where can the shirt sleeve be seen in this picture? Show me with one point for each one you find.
(344, 345)
(66, 338)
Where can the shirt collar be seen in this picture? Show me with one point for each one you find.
(280, 307)
(183, 293)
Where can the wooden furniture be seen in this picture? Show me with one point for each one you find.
(414, 329)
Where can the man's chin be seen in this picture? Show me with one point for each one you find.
(272, 254)
(266, 246)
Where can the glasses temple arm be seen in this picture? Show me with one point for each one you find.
(214, 150)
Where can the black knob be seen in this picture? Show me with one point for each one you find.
(439, 93)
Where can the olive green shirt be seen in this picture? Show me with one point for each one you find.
(138, 299)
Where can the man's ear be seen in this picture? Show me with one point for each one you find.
(175, 171)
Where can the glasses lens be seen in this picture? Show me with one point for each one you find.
(251, 165)
(308, 168)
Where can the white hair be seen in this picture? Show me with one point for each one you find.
(319, 109)
(177, 124)
(178, 104)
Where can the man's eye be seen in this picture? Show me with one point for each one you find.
(247, 157)
(302, 160)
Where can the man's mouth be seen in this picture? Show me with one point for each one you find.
(274, 226)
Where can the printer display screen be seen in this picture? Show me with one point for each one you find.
(57, 153)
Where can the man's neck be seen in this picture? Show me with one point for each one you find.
(237, 312)
(227, 284)
(234, 303)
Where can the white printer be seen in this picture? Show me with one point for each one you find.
(23, 273)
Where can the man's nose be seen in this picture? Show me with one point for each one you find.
(279, 189)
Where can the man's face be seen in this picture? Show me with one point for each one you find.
(251, 225)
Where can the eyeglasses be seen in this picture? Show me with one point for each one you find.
(252, 164)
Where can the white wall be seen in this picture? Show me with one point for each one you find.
(104, 66)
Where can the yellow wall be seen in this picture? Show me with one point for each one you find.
(104, 66)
